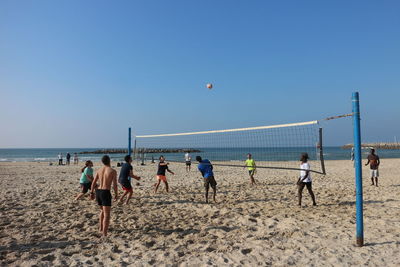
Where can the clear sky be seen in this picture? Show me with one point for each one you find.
(79, 73)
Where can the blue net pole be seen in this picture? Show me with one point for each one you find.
(129, 141)
(358, 170)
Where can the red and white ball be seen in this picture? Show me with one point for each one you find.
(209, 86)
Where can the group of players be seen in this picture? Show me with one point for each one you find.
(106, 177)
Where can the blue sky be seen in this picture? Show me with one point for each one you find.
(79, 73)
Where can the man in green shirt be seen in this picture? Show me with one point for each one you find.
(251, 166)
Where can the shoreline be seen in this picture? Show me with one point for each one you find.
(55, 161)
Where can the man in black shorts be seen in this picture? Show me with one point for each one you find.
(305, 179)
(68, 157)
(206, 169)
(106, 177)
(188, 161)
(124, 179)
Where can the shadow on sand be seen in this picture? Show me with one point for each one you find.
(40, 245)
(381, 243)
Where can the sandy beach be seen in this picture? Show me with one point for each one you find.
(42, 225)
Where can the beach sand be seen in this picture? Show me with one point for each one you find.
(42, 225)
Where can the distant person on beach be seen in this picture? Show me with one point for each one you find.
(68, 157)
(373, 161)
(206, 169)
(76, 161)
(106, 177)
(251, 167)
(188, 161)
(60, 159)
(86, 179)
(352, 157)
(162, 168)
(124, 179)
(305, 179)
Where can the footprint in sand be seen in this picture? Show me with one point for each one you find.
(246, 251)
(48, 258)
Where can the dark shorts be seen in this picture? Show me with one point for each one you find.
(126, 186)
(188, 163)
(251, 172)
(86, 187)
(103, 197)
(308, 185)
(210, 181)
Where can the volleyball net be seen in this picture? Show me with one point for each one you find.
(272, 147)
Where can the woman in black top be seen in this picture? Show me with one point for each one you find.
(162, 167)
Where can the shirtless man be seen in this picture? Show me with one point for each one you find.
(106, 177)
(373, 161)
(188, 161)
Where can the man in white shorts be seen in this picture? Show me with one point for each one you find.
(373, 161)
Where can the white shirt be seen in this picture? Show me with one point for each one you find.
(305, 166)
(188, 157)
(59, 156)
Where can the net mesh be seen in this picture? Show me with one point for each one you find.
(276, 146)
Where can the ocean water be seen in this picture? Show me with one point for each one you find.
(49, 154)
(268, 154)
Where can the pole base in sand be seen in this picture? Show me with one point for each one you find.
(360, 242)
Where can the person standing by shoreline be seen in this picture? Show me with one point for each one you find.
(68, 157)
(60, 159)
(76, 161)
(188, 161)
(106, 177)
(373, 161)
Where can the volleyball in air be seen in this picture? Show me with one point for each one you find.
(209, 86)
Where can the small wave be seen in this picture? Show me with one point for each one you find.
(42, 159)
(4, 160)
